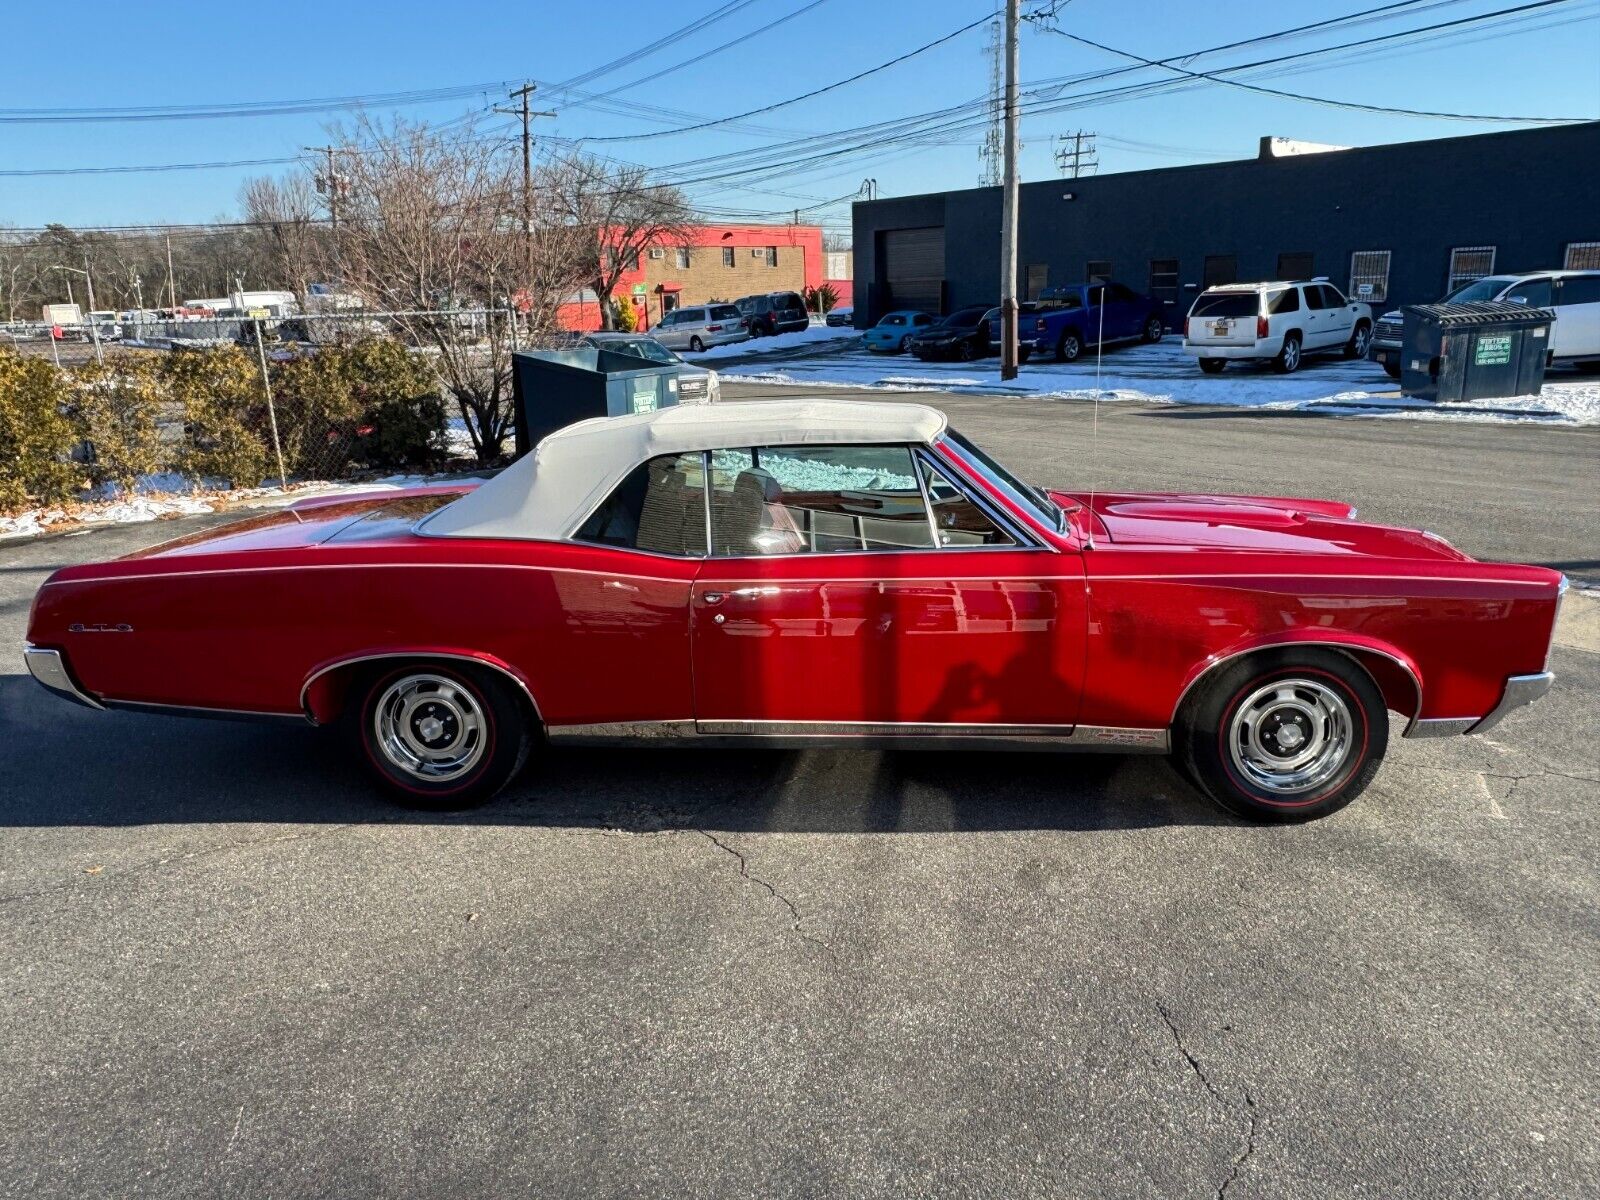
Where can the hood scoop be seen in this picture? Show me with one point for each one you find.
(1255, 516)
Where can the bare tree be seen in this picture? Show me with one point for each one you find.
(284, 214)
(625, 215)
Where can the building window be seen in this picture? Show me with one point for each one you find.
(1097, 270)
(1164, 280)
(1468, 263)
(727, 256)
(1369, 275)
(1582, 256)
(1038, 279)
(1295, 264)
(772, 256)
(682, 258)
(657, 252)
(1220, 269)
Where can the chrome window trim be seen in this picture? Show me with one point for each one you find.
(1025, 539)
(947, 445)
(352, 660)
(1344, 648)
(571, 536)
(918, 468)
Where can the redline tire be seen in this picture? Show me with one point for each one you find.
(476, 719)
(1227, 737)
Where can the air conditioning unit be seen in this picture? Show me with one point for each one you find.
(657, 252)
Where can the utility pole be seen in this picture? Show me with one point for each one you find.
(1008, 219)
(1076, 156)
(172, 283)
(328, 184)
(527, 115)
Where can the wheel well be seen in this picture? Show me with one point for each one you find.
(1400, 688)
(326, 691)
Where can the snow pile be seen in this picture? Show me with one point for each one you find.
(766, 345)
(1164, 374)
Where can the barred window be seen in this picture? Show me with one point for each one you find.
(1468, 263)
(1583, 256)
(727, 256)
(1369, 275)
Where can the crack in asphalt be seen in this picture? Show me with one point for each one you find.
(1250, 1116)
(774, 893)
(190, 856)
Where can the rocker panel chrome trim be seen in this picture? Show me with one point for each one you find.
(1437, 727)
(858, 734)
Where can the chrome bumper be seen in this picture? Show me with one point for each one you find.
(1520, 690)
(50, 669)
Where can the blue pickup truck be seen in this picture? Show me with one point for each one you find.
(1066, 320)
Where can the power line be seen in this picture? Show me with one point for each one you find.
(247, 108)
(661, 43)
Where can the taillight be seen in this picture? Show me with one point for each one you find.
(713, 328)
(1188, 326)
(1039, 326)
(1261, 327)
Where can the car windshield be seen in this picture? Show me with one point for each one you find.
(893, 319)
(966, 318)
(1227, 304)
(642, 348)
(1478, 290)
(1030, 498)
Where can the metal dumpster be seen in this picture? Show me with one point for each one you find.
(554, 388)
(1455, 352)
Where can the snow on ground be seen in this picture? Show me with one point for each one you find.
(766, 345)
(151, 502)
(1164, 374)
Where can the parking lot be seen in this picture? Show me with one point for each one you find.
(227, 968)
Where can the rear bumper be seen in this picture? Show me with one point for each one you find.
(1265, 348)
(49, 667)
(1520, 690)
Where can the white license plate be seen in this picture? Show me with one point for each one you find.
(1221, 328)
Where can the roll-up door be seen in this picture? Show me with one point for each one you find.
(913, 267)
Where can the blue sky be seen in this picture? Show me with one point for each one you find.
(97, 55)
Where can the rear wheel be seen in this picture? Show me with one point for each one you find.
(1392, 370)
(904, 342)
(1360, 339)
(440, 736)
(1154, 329)
(1288, 360)
(1069, 346)
(696, 345)
(1212, 366)
(966, 352)
(1285, 735)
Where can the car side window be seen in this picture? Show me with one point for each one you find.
(1579, 289)
(816, 500)
(1286, 301)
(922, 319)
(1333, 296)
(1121, 292)
(660, 507)
(1535, 293)
(957, 520)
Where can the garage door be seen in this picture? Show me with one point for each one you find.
(913, 267)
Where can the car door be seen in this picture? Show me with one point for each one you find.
(1314, 317)
(1577, 328)
(1340, 320)
(834, 605)
(1541, 293)
(666, 330)
(1125, 312)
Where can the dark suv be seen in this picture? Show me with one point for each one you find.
(774, 312)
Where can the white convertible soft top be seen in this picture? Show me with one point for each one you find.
(547, 494)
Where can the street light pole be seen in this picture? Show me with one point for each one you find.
(94, 326)
(1008, 219)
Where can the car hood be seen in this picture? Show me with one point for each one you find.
(1261, 523)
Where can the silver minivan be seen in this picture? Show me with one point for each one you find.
(700, 327)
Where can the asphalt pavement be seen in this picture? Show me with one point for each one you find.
(226, 968)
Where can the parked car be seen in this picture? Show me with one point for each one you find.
(892, 333)
(696, 385)
(1279, 323)
(1069, 319)
(841, 317)
(774, 312)
(1574, 296)
(991, 320)
(963, 334)
(807, 573)
(701, 326)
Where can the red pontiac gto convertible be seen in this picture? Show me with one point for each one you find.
(811, 573)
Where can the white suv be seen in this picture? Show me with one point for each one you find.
(1277, 322)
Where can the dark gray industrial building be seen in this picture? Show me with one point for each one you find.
(1394, 224)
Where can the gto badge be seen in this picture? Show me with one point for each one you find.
(99, 628)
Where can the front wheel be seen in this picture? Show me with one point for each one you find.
(1212, 366)
(966, 352)
(1285, 735)
(1392, 370)
(696, 345)
(1154, 329)
(1360, 339)
(1288, 360)
(440, 736)
(904, 342)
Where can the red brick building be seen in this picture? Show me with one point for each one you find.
(722, 262)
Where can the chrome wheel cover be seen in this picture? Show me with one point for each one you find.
(430, 727)
(1291, 736)
(1363, 337)
(1291, 354)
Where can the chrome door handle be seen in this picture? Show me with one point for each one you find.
(714, 597)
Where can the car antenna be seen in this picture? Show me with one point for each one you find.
(1094, 437)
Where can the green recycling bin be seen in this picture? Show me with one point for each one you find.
(1456, 352)
(555, 388)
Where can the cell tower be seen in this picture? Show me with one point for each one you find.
(992, 152)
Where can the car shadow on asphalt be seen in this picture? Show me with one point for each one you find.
(70, 766)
